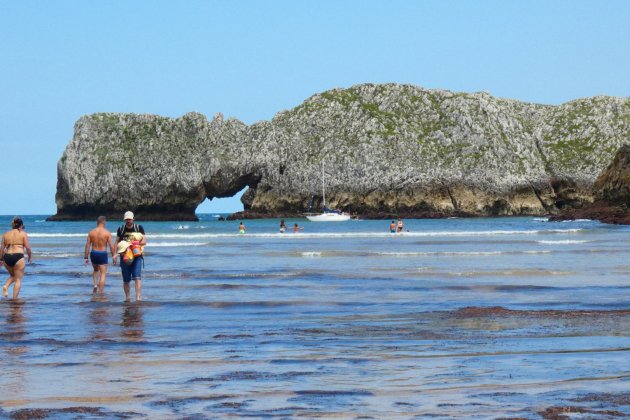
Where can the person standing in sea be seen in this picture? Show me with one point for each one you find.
(14, 242)
(400, 226)
(98, 240)
(131, 271)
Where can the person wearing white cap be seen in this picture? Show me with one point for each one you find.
(129, 232)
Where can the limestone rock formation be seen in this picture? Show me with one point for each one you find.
(611, 192)
(388, 149)
(613, 185)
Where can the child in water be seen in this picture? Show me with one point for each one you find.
(283, 227)
(241, 228)
(296, 228)
(392, 227)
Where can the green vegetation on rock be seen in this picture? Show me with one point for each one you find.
(389, 139)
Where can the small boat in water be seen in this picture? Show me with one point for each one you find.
(328, 215)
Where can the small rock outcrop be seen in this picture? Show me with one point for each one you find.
(611, 193)
(387, 150)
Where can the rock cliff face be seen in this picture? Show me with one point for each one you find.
(388, 149)
(611, 192)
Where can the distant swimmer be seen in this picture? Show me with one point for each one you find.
(400, 225)
(131, 237)
(241, 228)
(297, 228)
(283, 227)
(98, 240)
(14, 242)
(392, 227)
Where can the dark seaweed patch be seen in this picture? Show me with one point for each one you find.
(329, 399)
(227, 405)
(74, 412)
(251, 376)
(615, 399)
(232, 336)
(402, 403)
(498, 394)
(477, 311)
(567, 412)
(176, 403)
(338, 393)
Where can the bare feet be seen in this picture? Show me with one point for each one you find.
(138, 298)
(5, 291)
(95, 289)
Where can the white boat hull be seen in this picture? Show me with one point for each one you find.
(328, 217)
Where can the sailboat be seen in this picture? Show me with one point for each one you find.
(328, 215)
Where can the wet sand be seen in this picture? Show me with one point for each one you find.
(476, 361)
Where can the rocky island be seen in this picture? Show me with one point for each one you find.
(389, 149)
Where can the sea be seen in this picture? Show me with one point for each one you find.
(452, 318)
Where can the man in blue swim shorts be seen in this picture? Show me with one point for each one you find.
(126, 235)
(98, 240)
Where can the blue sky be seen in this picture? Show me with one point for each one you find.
(251, 59)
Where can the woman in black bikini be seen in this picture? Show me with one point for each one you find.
(14, 242)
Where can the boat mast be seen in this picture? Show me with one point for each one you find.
(323, 187)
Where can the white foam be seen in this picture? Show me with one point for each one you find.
(541, 219)
(175, 244)
(429, 253)
(563, 242)
(303, 235)
(56, 254)
(457, 253)
(312, 254)
(364, 234)
(57, 235)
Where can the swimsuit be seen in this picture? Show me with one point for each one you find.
(12, 259)
(241, 231)
(98, 257)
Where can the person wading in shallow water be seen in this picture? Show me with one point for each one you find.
(132, 271)
(99, 239)
(400, 226)
(14, 242)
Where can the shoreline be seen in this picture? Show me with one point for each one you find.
(598, 211)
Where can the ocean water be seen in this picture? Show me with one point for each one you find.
(474, 318)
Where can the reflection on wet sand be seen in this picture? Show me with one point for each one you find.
(99, 319)
(13, 333)
(14, 330)
(132, 322)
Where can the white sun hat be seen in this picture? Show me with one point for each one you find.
(128, 215)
